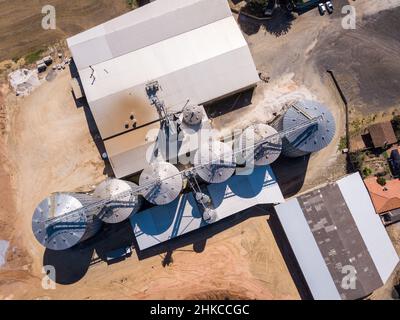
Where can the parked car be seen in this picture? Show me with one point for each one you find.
(321, 8)
(329, 6)
(391, 217)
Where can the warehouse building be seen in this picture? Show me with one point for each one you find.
(339, 242)
(194, 49)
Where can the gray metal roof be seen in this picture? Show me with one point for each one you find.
(190, 53)
(162, 223)
(162, 183)
(334, 229)
(216, 162)
(262, 154)
(316, 136)
(112, 189)
(376, 239)
(66, 231)
(143, 27)
(306, 250)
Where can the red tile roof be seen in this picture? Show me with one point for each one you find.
(384, 198)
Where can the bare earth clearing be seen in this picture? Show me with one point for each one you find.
(20, 22)
(46, 147)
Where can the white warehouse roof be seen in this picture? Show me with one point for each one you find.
(333, 231)
(193, 48)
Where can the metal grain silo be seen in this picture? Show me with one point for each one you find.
(193, 114)
(160, 183)
(310, 138)
(252, 148)
(210, 215)
(61, 221)
(215, 162)
(124, 201)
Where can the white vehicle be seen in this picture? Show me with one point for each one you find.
(329, 6)
(322, 9)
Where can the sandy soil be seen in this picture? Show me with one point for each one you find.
(50, 149)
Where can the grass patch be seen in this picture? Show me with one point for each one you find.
(342, 143)
(357, 159)
(366, 172)
(33, 56)
(133, 4)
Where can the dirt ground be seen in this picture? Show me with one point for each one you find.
(46, 147)
(66, 160)
(21, 22)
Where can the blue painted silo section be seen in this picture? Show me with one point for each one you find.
(312, 138)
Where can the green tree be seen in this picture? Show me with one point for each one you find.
(381, 181)
(357, 159)
(366, 172)
(258, 4)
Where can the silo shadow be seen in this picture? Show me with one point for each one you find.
(290, 174)
(70, 265)
(91, 123)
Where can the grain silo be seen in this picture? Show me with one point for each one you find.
(210, 215)
(193, 114)
(309, 138)
(263, 153)
(160, 183)
(215, 162)
(61, 221)
(124, 201)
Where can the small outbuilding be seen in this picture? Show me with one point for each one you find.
(382, 134)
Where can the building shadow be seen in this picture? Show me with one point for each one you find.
(231, 103)
(92, 126)
(73, 70)
(289, 257)
(290, 174)
(98, 141)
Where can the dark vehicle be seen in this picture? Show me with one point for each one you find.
(329, 6)
(321, 8)
(391, 217)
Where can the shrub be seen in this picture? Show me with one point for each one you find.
(366, 172)
(342, 143)
(357, 159)
(33, 56)
(381, 181)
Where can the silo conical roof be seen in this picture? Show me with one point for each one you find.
(162, 183)
(214, 162)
